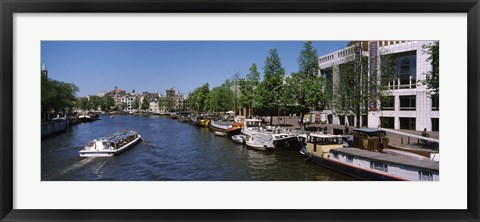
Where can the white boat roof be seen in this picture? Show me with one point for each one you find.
(117, 136)
(321, 135)
(252, 120)
(389, 158)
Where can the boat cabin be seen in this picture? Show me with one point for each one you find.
(370, 139)
(381, 166)
(319, 145)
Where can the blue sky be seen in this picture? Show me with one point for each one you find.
(154, 66)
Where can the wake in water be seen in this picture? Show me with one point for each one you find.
(147, 143)
(83, 162)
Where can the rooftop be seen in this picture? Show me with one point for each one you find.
(399, 160)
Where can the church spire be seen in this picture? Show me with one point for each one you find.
(44, 71)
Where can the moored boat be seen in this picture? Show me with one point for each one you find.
(229, 128)
(174, 115)
(218, 133)
(252, 126)
(327, 151)
(262, 142)
(110, 145)
(287, 141)
(239, 138)
(89, 117)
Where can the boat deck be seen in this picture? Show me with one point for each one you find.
(400, 160)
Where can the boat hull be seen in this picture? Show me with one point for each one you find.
(109, 153)
(289, 143)
(229, 132)
(355, 172)
(238, 139)
(259, 147)
(88, 119)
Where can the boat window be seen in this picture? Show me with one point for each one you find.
(349, 159)
(379, 166)
(335, 155)
(425, 176)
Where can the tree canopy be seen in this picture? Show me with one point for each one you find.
(248, 87)
(270, 90)
(432, 77)
(197, 98)
(56, 96)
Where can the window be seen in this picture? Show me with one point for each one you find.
(388, 103)
(351, 120)
(379, 166)
(435, 124)
(407, 123)
(425, 176)
(335, 155)
(387, 122)
(407, 102)
(406, 69)
(349, 159)
(341, 118)
(435, 103)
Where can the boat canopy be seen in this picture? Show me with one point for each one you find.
(118, 136)
(370, 131)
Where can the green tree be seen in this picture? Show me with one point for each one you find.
(82, 103)
(106, 103)
(235, 88)
(56, 96)
(304, 88)
(145, 104)
(269, 92)
(94, 102)
(432, 77)
(355, 88)
(136, 105)
(248, 87)
(220, 98)
(169, 104)
(197, 98)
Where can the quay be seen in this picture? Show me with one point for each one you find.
(53, 128)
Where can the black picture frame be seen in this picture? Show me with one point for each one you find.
(9, 7)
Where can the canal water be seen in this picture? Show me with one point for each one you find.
(170, 151)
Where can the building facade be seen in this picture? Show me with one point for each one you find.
(407, 104)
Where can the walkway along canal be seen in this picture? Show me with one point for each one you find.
(170, 151)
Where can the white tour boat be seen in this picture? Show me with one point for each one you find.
(110, 145)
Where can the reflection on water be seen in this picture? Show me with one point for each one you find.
(170, 150)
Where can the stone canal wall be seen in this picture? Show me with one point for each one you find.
(53, 128)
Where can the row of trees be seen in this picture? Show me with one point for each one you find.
(302, 91)
(268, 95)
(105, 103)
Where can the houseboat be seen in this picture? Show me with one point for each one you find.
(199, 121)
(252, 126)
(88, 117)
(370, 139)
(226, 127)
(110, 145)
(283, 138)
(287, 141)
(327, 151)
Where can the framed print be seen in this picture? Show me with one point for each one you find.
(259, 111)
